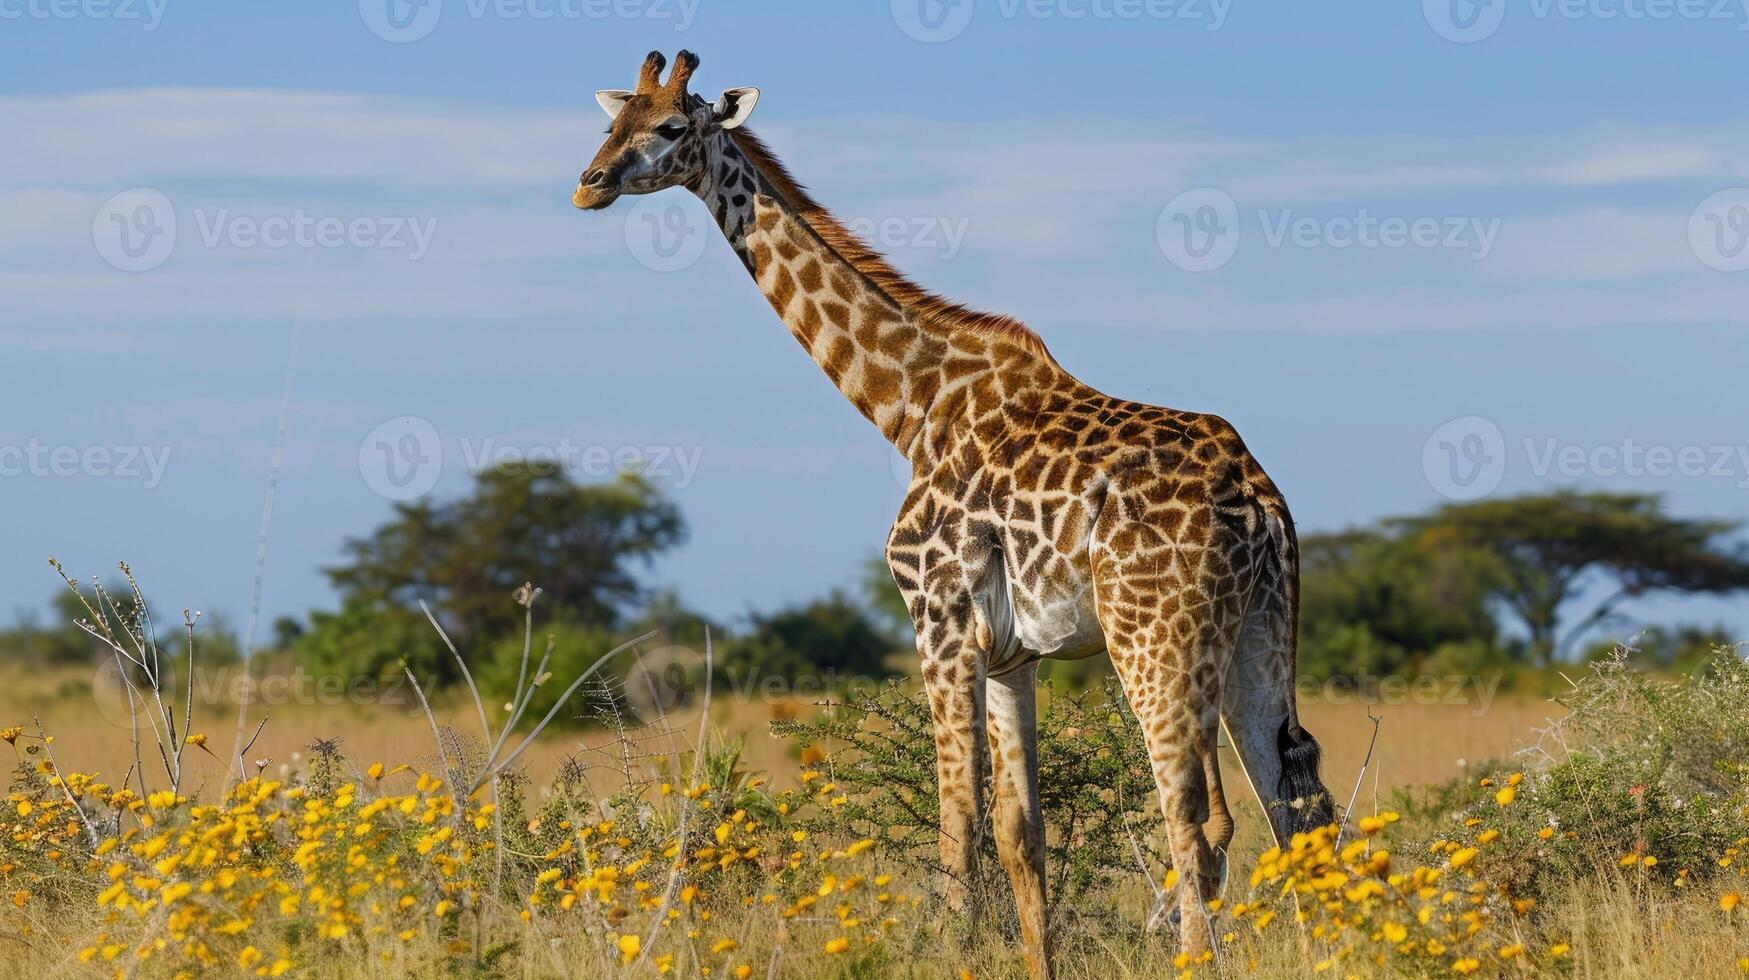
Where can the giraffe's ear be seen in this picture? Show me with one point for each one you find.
(734, 107)
(612, 100)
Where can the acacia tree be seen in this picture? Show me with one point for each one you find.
(581, 543)
(1550, 548)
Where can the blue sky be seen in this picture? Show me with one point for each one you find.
(1535, 229)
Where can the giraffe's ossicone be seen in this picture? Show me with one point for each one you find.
(1043, 519)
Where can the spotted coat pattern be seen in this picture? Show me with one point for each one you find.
(1044, 519)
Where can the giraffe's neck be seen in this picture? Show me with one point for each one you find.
(883, 342)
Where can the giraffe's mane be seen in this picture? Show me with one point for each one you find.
(871, 264)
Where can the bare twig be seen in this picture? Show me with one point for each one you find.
(61, 781)
(498, 766)
(237, 751)
(436, 734)
(1343, 827)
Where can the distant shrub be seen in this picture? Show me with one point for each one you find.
(370, 638)
(828, 639)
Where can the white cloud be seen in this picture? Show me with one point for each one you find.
(1071, 202)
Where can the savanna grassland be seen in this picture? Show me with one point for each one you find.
(776, 837)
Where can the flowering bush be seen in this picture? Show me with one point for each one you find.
(282, 874)
(1639, 766)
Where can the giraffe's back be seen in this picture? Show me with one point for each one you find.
(1072, 482)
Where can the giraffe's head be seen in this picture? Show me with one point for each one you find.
(658, 133)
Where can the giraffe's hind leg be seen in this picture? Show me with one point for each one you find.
(1171, 675)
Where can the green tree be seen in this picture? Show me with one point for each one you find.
(1552, 548)
(830, 637)
(580, 543)
(1377, 601)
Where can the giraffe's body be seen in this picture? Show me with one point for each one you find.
(1043, 520)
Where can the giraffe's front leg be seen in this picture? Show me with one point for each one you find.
(932, 578)
(1019, 820)
(954, 684)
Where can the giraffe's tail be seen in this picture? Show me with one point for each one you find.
(1308, 801)
(1302, 788)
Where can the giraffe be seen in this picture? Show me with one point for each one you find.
(1043, 519)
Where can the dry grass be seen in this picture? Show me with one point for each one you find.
(1617, 928)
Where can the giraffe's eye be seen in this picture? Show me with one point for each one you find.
(671, 131)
